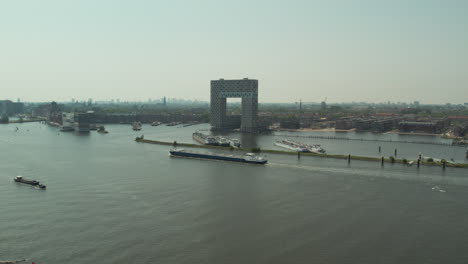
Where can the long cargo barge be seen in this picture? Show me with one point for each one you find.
(248, 157)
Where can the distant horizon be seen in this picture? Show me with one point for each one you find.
(366, 50)
(181, 100)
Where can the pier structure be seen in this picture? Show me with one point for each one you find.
(221, 89)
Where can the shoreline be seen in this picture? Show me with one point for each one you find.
(413, 134)
(355, 130)
(271, 151)
(314, 130)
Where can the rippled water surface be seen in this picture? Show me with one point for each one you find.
(112, 200)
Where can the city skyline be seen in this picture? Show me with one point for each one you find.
(372, 51)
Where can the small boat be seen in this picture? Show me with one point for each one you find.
(234, 143)
(173, 123)
(204, 139)
(66, 128)
(102, 130)
(223, 142)
(20, 179)
(156, 123)
(34, 183)
(410, 163)
(136, 126)
(248, 157)
(288, 145)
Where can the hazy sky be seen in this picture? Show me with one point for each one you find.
(368, 50)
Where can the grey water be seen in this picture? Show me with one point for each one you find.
(110, 199)
(409, 151)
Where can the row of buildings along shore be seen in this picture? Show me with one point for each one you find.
(248, 118)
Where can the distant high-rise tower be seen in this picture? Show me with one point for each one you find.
(323, 105)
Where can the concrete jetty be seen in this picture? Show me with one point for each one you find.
(335, 156)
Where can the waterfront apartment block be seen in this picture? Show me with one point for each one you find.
(9, 108)
(247, 89)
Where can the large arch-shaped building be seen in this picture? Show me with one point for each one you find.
(247, 89)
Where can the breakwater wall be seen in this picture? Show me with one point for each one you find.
(360, 139)
(348, 157)
(373, 140)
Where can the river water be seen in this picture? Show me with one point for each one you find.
(112, 200)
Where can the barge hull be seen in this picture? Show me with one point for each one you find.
(213, 157)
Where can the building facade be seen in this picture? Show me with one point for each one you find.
(247, 89)
(10, 108)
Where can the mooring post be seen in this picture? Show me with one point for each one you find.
(444, 163)
(395, 152)
(419, 162)
(298, 155)
(349, 158)
(382, 160)
(380, 149)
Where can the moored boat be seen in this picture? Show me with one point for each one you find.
(247, 158)
(199, 137)
(136, 126)
(285, 144)
(234, 142)
(102, 130)
(222, 141)
(66, 129)
(299, 147)
(204, 139)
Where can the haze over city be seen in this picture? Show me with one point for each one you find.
(370, 51)
(212, 131)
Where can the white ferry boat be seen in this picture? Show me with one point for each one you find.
(223, 142)
(204, 139)
(299, 147)
(234, 142)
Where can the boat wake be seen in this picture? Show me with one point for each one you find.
(12, 262)
(380, 173)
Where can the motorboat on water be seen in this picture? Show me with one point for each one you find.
(136, 126)
(205, 139)
(34, 183)
(66, 129)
